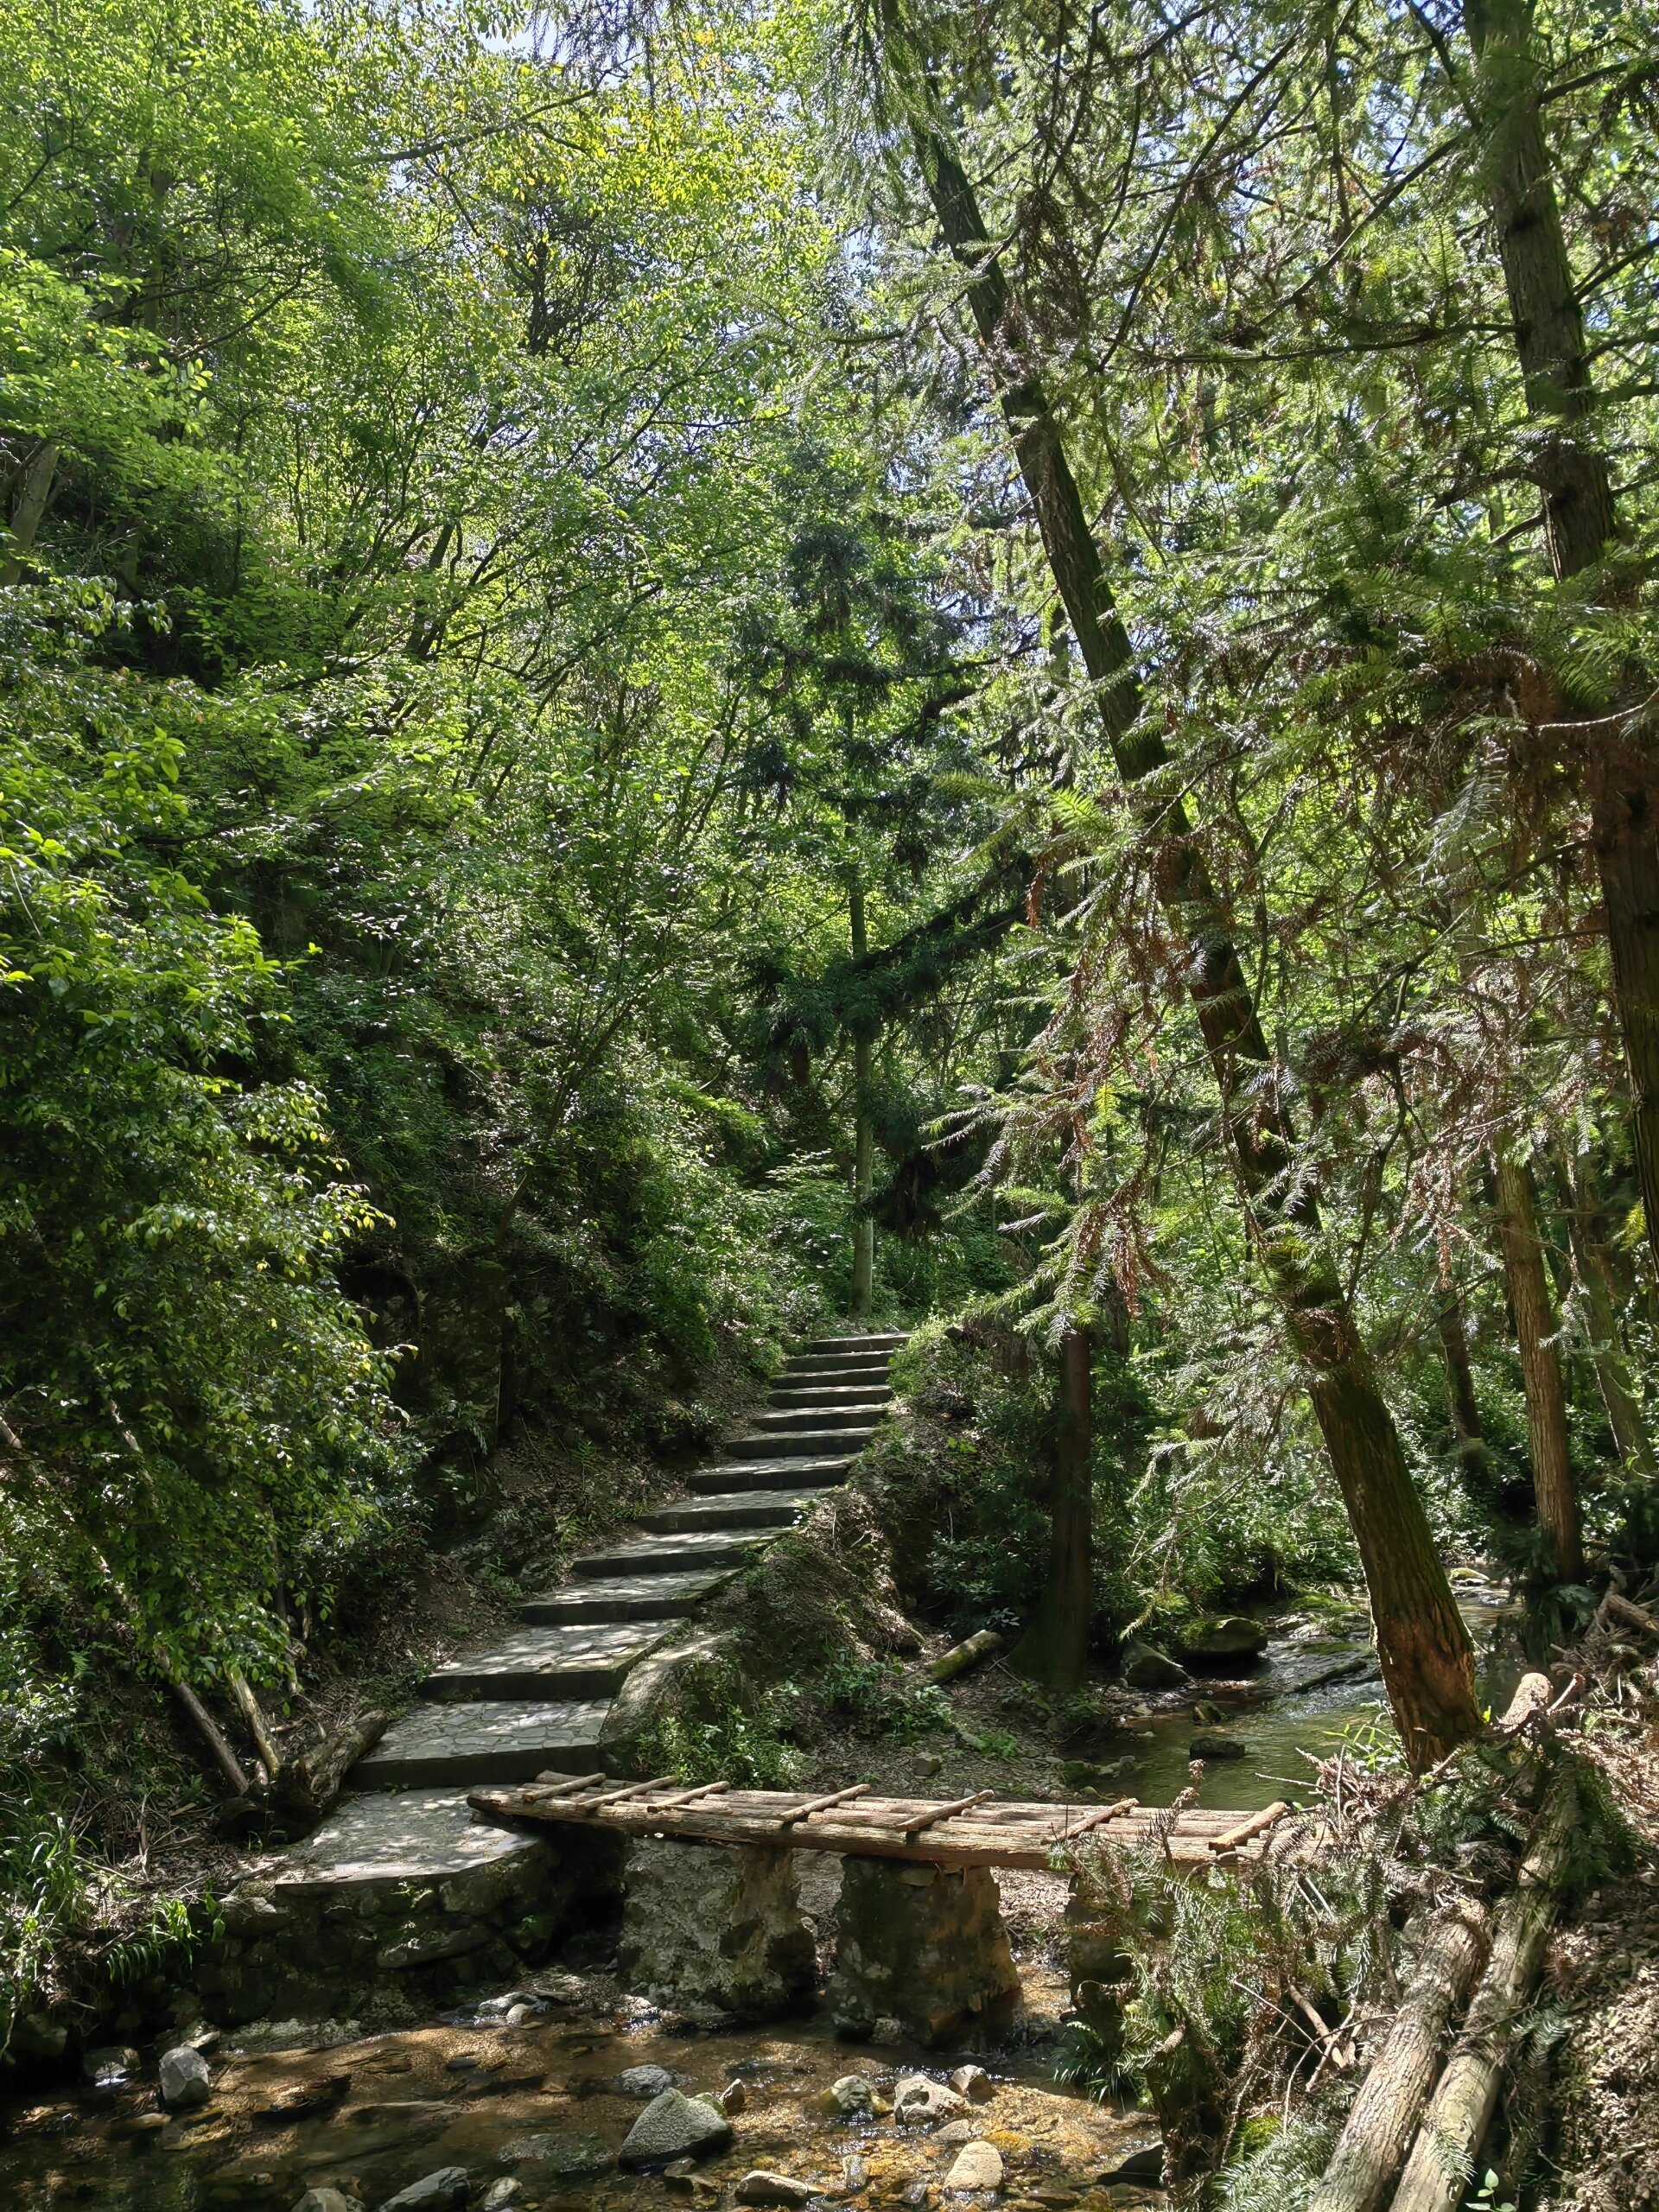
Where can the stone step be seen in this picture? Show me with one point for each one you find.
(625, 1597)
(877, 1340)
(419, 1835)
(764, 1474)
(805, 1443)
(463, 1745)
(668, 1556)
(801, 1401)
(798, 1372)
(761, 1508)
(579, 1659)
(861, 1413)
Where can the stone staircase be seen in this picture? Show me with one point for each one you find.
(536, 1699)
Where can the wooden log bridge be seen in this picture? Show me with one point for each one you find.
(983, 1830)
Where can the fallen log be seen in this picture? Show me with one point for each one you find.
(312, 1784)
(1460, 2111)
(961, 1657)
(1380, 2126)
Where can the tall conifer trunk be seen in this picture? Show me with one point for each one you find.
(1578, 523)
(1426, 1659)
(1054, 1649)
(1536, 1329)
(864, 1290)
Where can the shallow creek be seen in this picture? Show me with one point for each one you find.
(539, 2102)
(1312, 1688)
(369, 2112)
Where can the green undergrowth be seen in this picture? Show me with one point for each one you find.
(1221, 2000)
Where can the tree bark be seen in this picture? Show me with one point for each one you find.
(1473, 1459)
(1579, 521)
(1535, 1331)
(863, 1289)
(1428, 1663)
(1385, 2112)
(1593, 1264)
(31, 495)
(1054, 1649)
(1456, 2121)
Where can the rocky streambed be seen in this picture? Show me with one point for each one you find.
(565, 2094)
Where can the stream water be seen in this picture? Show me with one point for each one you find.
(1312, 1687)
(539, 2103)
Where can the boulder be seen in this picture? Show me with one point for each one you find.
(733, 2098)
(185, 2079)
(846, 2098)
(919, 2102)
(1145, 1668)
(644, 2080)
(502, 2195)
(1222, 1636)
(328, 2199)
(974, 2083)
(674, 1681)
(713, 1925)
(977, 2165)
(1208, 1744)
(675, 2127)
(442, 2191)
(1144, 2164)
(955, 2133)
(763, 2188)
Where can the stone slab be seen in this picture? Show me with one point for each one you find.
(669, 1554)
(763, 1474)
(873, 1340)
(581, 1659)
(418, 1836)
(861, 1413)
(809, 1443)
(467, 1745)
(759, 1508)
(625, 1598)
(797, 1395)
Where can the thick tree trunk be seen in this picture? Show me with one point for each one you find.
(1592, 1263)
(1578, 520)
(1536, 1329)
(864, 1290)
(1054, 1649)
(1428, 1663)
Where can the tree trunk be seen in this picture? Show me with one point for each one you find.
(31, 495)
(1428, 1663)
(1452, 2129)
(1384, 2115)
(1536, 1329)
(1054, 1649)
(864, 1290)
(1593, 1264)
(1473, 1459)
(1578, 521)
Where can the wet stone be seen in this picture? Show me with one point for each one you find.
(446, 2191)
(923, 1946)
(675, 2127)
(977, 2166)
(644, 2080)
(708, 1924)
